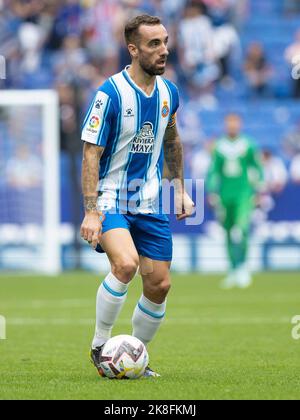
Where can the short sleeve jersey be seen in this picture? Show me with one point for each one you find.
(131, 125)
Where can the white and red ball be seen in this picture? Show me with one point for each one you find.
(124, 357)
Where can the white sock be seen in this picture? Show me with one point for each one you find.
(110, 298)
(147, 318)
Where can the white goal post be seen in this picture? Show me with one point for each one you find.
(46, 104)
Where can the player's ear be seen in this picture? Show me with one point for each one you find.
(133, 51)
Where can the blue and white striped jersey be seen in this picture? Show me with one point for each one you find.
(131, 125)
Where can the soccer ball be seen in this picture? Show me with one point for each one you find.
(124, 357)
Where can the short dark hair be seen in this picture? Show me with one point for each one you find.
(132, 27)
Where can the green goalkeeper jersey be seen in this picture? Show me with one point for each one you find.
(236, 170)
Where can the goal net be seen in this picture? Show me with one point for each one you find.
(29, 181)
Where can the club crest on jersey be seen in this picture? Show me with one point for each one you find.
(165, 110)
(143, 142)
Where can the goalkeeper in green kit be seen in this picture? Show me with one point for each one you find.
(234, 178)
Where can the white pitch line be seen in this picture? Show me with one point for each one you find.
(39, 304)
(170, 321)
(86, 303)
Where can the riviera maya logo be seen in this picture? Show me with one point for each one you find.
(165, 110)
(144, 140)
(94, 122)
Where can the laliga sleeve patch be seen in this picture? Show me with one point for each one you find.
(95, 118)
(92, 128)
(94, 123)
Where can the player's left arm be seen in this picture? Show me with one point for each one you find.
(213, 179)
(173, 151)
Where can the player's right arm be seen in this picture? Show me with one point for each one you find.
(255, 162)
(91, 225)
(95, 134)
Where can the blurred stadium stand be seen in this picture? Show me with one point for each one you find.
(73, 45)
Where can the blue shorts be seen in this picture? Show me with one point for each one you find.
(150, 233)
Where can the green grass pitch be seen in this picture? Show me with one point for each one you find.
(214, 344)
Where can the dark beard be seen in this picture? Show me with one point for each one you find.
(152, 70)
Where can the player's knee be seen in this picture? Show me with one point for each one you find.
(159, 290)
(164, 287)
(125, 268)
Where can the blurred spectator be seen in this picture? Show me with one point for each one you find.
(226, 46)
(291, 6)
(195, 37)
(224, 11)
(67, 22)
(171, 74)
(29, 67)
(103, 24)
(257, 70)
(68, 61)
(200, 161)
(24, 170)
(27, 10)
(218, 10)
(195, 46)
(9, 24)
(292, 55)
(275, 172)
(69, 115)
(23, 187)
(291, 142)
(191, 127)
(295, 169)
(31, 39)
(172, 10)
(70, 128)
(90, 80)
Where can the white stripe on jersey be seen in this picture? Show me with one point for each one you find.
(150, 190)
(93, 123)
(112, 182)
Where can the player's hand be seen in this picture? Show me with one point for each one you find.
(91, 228)
(185, 207)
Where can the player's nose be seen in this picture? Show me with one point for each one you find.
(165, 51)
